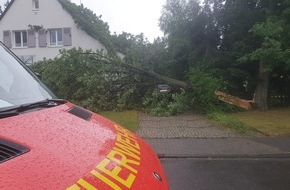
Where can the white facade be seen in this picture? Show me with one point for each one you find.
(58, 30)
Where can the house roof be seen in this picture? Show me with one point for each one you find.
(8, 6)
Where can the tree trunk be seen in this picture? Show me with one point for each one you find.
(261, 92)
(165, 79)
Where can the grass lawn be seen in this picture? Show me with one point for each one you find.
(274, 122)
(128, 119)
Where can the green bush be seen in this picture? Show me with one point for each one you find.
(205, 84)
(126, 99)
(82, 77)
(165, 104)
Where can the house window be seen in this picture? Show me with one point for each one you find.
(56, 37)
(35, 4)
(20, 38)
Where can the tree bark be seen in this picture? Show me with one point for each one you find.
(165, 79)
(261, 92)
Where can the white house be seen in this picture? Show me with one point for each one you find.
(38, 29)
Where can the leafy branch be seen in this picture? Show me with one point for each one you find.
(89, 22)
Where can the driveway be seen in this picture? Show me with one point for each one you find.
(187, 125)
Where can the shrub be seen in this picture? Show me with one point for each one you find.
(165, 104)
(203, 93)
(81, 77)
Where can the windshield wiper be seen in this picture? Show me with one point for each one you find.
(8, 114)
(16, 110)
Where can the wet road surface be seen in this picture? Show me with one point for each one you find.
(228, 173)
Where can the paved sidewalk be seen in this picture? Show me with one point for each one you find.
(263, 147)
(188, 125)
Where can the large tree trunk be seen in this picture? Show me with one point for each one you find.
(261, 93)
(165, 79)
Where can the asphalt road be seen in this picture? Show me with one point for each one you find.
(225, 163)
(228, 173)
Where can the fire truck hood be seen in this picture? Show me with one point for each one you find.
(72, 148)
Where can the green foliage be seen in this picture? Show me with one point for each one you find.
(138, 51)
(179, 103)
(216, 36)
(165, 104)
(89, 22)
(268, 29)
(271, 52)
(83, 77)
(203, 94)
(94, 80)
(127, 99)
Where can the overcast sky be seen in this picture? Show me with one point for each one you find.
(133, 16)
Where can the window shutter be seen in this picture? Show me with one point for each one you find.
(7, 38)
(31, 40)
(67, 37)
(42, 38)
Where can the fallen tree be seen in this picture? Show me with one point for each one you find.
(99, 81)
(227, 98)
(233, 100)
